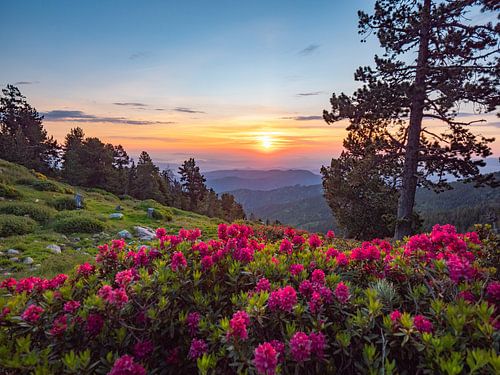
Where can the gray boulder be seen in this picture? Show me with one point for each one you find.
(13, 252)
(55, 249)
(145, 234)
(116, 216)
(28, 260)
(125, 234)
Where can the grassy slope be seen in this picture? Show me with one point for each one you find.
(98, 204)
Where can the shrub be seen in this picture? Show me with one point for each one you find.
(46, 185)
(10, 192)
(63, 203)
(242, 304)
(37, 212)
(159, 214)
(11, 225)
(78, 224)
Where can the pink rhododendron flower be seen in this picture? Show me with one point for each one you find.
(330, 235)
(32, 313)
(265, 359)
(59, 326)
(395, 316)
(126, 366)
(143, 349)
(192, 321)
(298, 240)
(318, 277)
(94, 324)
(207, 262)
(9, 284)
(422, 324)
(238, 326)
(197, 348)
(286, 246)
(315, 241)
(296, 269)
(71, 306)
(263, 285)
(342, 259)
(161, 232)
(467, 296)
(493, 291)
(342, 292)
(280, 349)
(318, 344)
(178, 261)
(283, 298)
(300, 346)
(306, 288)
(124, 278)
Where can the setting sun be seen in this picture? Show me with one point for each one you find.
(266, 142)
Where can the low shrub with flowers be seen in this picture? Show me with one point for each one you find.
(260, 302)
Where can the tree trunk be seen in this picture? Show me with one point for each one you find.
(409, 181)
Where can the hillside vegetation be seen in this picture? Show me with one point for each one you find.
(36, 212)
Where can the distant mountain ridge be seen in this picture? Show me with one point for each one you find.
(236, 179)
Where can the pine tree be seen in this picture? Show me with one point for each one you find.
(436, 59)
(147, 179)
(23, 139)
(193, 183)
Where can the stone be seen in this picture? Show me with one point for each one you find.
(1, 254)
(28, 260)
(125, 234)
(116, 215)
(14, 259)
(55, 249)
(144, 234)
(151, 211)
(13, 252)
(118, 208)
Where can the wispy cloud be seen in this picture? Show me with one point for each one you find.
(138, 55)
(130, 104)
(79, 116)
(312, 93)
(309, 49)
(303, 118)
(19, 83)
(187, 110)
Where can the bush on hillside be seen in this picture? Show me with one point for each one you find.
(47, 185)
(241, 304)
(37, 212)
(11, 225)
(63, 203)
(78, 224)
(9, 191)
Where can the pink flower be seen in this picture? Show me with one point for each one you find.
(318, 344)
(280, 349)
(467, 296)
(85, 269)
(306, 288)
(265, 359)
(395, 316)
(298, 240)
(283, 298)
(318, 277)
(59, 326)
(9, 284)
(161, 232)
(286, 246)
(197, 349)
(342, 259)
(300, 346)
(222, 231)
(124, 278)
(330, 235)
(493, 291)
(126, 366)
(315, 303)
(422, 324)
(263, 285)
(32, 313)
(94, 324)
(207, 262)
(178, 261)
(193, 319)
(71, 306)
(315, 241)
(143, 349)
(296, 269)
(342, 292)
(238, 326)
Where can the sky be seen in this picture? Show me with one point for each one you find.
(233, 84)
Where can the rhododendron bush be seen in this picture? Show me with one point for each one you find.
(274, 301)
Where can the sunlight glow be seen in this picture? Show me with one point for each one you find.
(266, 142)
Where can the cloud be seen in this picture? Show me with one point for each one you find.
(312, 93)
(79, 116)
(25, 83)
(131, 104)
(187, 110)
(138, 55)
(309, 49)
(303, 118)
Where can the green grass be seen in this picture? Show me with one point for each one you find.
(98, 204)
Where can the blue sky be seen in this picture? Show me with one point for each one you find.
(200, 77)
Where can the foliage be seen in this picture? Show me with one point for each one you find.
(244, 304)
(37, 212)
(12, 225)
(82, 223)
(47, 185)
(9, 191)
(435, 59)
(63, 203)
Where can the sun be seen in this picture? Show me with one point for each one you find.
(266, 142)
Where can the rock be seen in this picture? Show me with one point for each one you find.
(38, 265)
(28, 260)
(64, 237)
(14, 259)
(75, 239)
(145, 234)
(125, 234)
(1, 254)
(118, 208)
(55, 249)
(151, 211)
(116, 216)
(13, 252)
